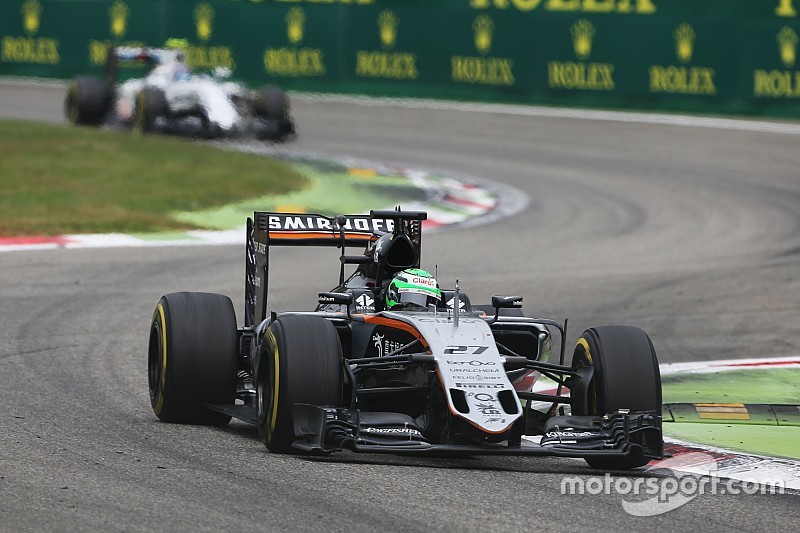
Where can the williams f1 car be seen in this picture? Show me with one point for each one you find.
(361, 372)
(171, 99)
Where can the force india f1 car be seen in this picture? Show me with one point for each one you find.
(170, 99)
(451, 378)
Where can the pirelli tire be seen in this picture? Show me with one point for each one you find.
(626, 376)
(88, 101)
(151, 103)
(300, 361)
(272, 106)
(192, 357)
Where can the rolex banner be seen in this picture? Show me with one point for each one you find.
(719, 56)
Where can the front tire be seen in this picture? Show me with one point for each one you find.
(88, 101)
(192, 357)
(300, 362)
(151, 103)
(271, 105)
(626, 376)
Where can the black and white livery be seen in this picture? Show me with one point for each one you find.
(454, 377)
(172, 99)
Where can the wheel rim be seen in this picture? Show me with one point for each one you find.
(154, 370)
(267, 391)
(587, 361)
(265, 405)
(260, 402)
(157, 361)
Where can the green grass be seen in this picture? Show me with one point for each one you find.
(61, 179)
(775, 385)
(766, 440)
(334, 192)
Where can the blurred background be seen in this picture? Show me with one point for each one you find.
(712, 56)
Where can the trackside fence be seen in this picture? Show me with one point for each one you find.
(710, 56)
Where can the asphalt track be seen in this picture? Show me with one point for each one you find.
(691, 233)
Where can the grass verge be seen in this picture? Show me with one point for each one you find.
(774, 385)
(60, 179)
(335, 190)
(764, 440)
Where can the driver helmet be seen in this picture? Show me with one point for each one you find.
(181, 72)
(180, 46)
(412, 289)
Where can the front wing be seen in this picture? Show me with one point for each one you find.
(329, 429)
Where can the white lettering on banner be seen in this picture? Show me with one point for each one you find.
(314, 223)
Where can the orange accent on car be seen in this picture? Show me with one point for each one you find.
(397, 324)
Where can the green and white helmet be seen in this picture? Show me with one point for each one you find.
(412, 289)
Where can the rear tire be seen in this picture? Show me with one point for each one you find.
(88, 101)
(192, 357)
(626, 376)
(151, 103)
(300, 362)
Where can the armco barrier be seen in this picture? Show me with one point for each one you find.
(712, 56)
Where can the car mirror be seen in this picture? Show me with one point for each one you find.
(336, 298)
(505, 302)
(222, 73)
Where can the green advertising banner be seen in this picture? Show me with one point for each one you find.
(712, 56)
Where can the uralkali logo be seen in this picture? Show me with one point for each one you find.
(668, 485)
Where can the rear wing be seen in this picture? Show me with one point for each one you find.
(268, 229)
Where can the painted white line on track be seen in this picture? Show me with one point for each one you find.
(744, 467)
(738, 466)
(702, 367)
(546, 386)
